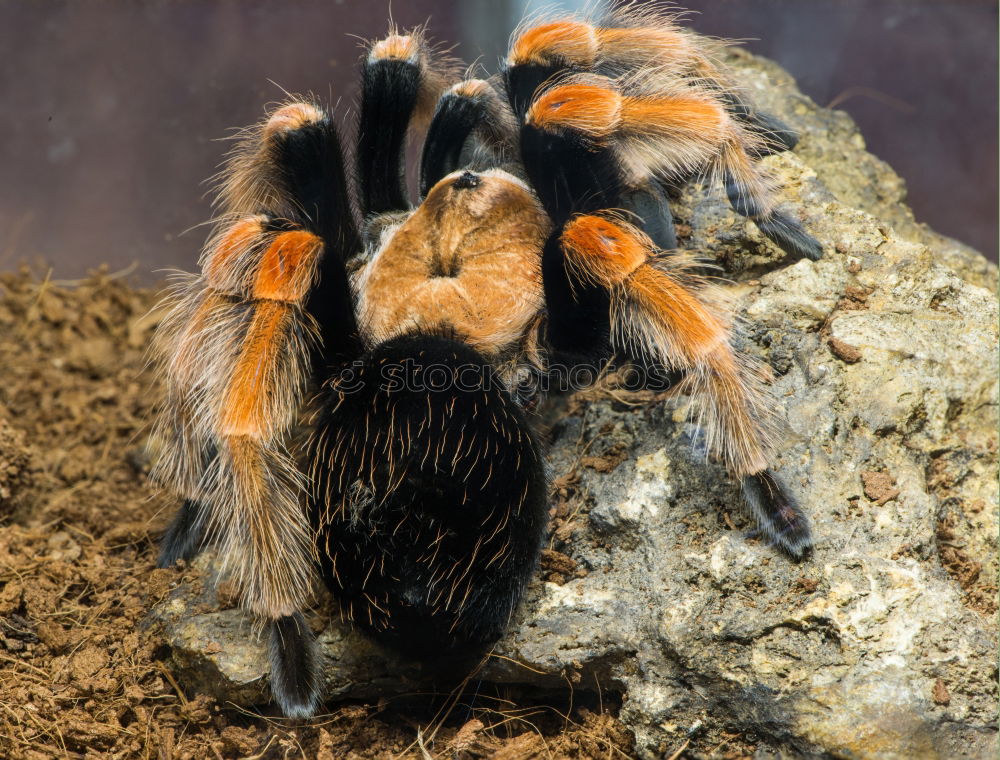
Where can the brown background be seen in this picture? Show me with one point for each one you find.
(112, 111)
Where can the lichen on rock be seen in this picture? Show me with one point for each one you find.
(882, 644)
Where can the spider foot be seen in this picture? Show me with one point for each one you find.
(780, 520)
(295, 666)
(184, 537)
(789, 235)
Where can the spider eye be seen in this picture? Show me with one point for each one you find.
(466, 181)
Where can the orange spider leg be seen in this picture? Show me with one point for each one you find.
(661, 311)
(567, 42)
(239, 346)
(590, 110)
(665, 312)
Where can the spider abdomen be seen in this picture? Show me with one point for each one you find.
(428, 493)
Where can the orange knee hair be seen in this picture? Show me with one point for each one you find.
(592, 110)
(288, 266)
(570, 42)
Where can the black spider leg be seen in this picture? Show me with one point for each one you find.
(185, 536)
(390, 88)
(310, 164)
(651, 208)
(777, 514)
(311, 161)
(776, 136)
(779, 518)
(787, 232)
(296, 666)
(456, 117)
(571, 177)
(523, 80)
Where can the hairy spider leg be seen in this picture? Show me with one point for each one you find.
(271, 306)
(572, 173)
(429, 494)
(390, 86)
(637, 42)
(542, 51)
(786, 231)
(670, 136)
(662, 309)
(469, 112)
(400, 82)
(655, 306)
(573, 170)
(673, 93)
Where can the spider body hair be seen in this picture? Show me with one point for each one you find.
(419, 338)
(430, 522)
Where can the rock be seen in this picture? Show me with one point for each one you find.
(882, 643)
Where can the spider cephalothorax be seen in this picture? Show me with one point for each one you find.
(356, 398)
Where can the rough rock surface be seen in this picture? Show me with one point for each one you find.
(883, 643)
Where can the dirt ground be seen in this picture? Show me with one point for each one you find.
(81, 676)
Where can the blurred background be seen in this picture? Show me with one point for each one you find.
(113, 111)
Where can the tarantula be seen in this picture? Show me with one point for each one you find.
(418, 338)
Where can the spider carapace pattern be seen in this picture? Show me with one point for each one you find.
(351, 381)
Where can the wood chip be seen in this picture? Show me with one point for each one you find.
(880, 487)
(844, 351)
(940, 693)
